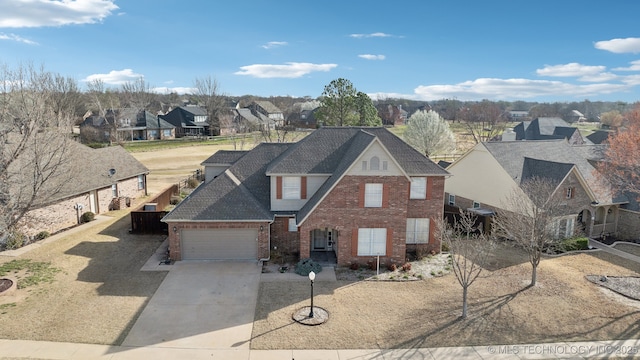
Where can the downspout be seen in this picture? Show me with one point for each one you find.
(269, 241)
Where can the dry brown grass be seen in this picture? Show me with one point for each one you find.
(503, 310)
(96, 296)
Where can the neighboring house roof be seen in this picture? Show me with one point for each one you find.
(88, 170)
(558, 154)
(327, 151)
(599, 136)
(184, 116)
(247, 115)
(544, 128)
(268, 106)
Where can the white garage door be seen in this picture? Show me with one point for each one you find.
(220, 244)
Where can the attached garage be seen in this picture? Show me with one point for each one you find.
(219, 244)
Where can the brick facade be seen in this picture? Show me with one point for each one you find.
(175, 241)
(629, 225)
(62, 214)
(283, 240)
(343, 211)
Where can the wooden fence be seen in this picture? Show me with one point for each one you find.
(197, 175)
(145, 219)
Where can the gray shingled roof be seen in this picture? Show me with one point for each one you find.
(554, 171)
(329, 150)
(268, 106)
(222, 199)
(225, 157)
(90, 169)
(512, 154)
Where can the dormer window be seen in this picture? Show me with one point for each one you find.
(291, 187)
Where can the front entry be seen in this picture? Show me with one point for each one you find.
(323, 245)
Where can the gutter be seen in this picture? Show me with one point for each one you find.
(269, 242)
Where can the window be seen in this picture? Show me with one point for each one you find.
(452, 200)
(374, 163)
(166, 133)
(114, 190)
(291, 187)
(385, 165)
(153, 134)
(418, 188)
(140, 182)
(373, 195)
(292, 225)
(364, 165)
(417, 231)
(476, 205)
(569, 193)
(372, 242)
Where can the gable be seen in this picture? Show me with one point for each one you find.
(375, 160)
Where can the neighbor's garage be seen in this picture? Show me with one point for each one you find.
(220, 244)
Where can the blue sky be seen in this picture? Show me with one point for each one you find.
(561, 50)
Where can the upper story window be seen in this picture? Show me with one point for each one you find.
(374, 163)
(418, 188)
(570, 193)
(290, 187)
(452, 200)
(140, 182)
(476, 205)
(373, 195)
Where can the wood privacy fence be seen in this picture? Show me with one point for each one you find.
(197, 175)
(145, 219)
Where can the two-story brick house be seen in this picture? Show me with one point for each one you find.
(356, 192)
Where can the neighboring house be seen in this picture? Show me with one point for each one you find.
(128, 124)
(266, 109)
(576, 116)
(303, 119)
(354, 192)
(189, 120)
(486, 175)
(545, 128)
(245, 119)
(392, 115)
(518, 115)
(103, 179)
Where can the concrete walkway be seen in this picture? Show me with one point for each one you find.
(615, 349)
(611, 250)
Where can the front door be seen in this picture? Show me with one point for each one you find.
(319, 240)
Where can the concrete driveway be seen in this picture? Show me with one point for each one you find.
(200, 305)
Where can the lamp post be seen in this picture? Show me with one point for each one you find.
(312, 276)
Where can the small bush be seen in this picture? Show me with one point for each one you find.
(305, 266)
(445, 247)
(175, 200)
(392, 267)
(572, 244)
(87, 217)
(42, 235)
(406, 266)
(354, 266)
(193, 183)
(15, 240)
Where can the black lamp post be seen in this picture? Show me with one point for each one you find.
(312, 276)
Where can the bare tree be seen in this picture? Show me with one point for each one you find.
(529, 217)
(470, 249)
(209, 95)
(104, 103)
(34, 142)
(429, 133)
(137, 94)
(483, 121)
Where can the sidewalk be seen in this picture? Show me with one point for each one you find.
(614, 349)
(611, 250)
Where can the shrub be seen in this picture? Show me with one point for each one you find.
(354, 266)
(42, 235)
(87, 217)
(392, 267)
(305, 266)
(193, 183)
(572, 244)
(445, 247)
(15, 240)
(406, 266)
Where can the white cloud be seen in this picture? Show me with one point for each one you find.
(37, 13)
(178, 90)
(619, 46)
(489, 88)
(17, 38)
(288, 70)
(274, 44)
(635, 66)
(372, 57)
(570, 70)
(115, 77)
(376, 34)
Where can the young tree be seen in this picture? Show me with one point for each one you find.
(367, 113)
(209, 95)
(429, 133)
(34, 142)
(528, 218)
(621, 165)
(470, 249)
(337, 106)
